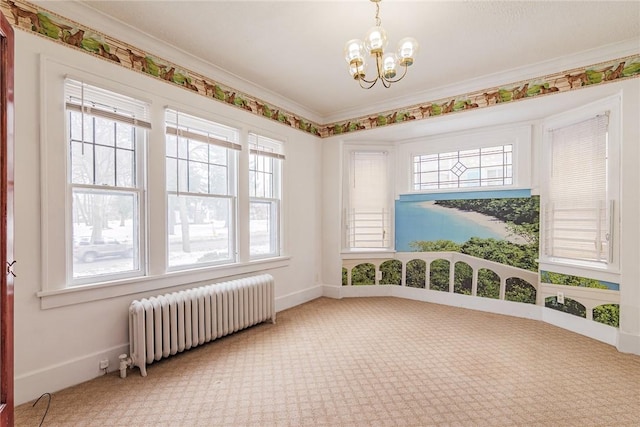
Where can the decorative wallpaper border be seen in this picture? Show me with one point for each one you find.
(30, 18)
(605, 72)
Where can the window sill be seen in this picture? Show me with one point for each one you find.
(191, 278)
(367, 253)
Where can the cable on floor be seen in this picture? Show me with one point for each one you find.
(48, 404)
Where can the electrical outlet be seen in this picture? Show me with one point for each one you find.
(104, 364)
(560, 297)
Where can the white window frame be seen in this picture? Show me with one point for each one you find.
(206, 131)
(54, 245)
(387, 215)
(519, 136)
(266, 149)
(76, 100)
(608, 271)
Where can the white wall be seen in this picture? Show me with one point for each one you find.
(59, 347)
(528, 112)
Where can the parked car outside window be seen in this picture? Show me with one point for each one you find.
(87, 251)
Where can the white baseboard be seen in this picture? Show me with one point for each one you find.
(628, 343)
(589, 328)
(598, 331)
(299, 297)
(31, 385)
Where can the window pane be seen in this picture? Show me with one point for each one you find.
(81, 163)
(105, 166)
(217, 155)
(171, 172)
(198, 177)
(105, 131)
(183, 175)
(218, 179)
(125, 168)
(172, 146)
(105, 233)
(198, 151)
(183, 148)
(466, 168)
(199, 230)
(125, 135)
(263, 228)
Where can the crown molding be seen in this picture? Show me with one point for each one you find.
(493, 81)
(82, 13)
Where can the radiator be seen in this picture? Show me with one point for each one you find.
(164, 325)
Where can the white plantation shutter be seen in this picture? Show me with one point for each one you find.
(368, 216)
(578, 212)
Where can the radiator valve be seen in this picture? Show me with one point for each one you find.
(125, 362)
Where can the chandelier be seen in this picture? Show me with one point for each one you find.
(387, 64)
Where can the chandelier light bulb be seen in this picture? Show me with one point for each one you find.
(389, 65)
(356, 70)
(407, 48)
(376, 40)
(354, 52)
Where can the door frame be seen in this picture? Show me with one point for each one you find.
(6, 220)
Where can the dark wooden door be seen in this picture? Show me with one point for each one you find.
(6, 222)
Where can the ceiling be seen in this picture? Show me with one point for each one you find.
(294, 48)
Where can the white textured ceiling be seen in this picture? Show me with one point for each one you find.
(294, 48)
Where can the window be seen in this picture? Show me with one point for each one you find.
(201, 165)
(107, 133)
(265, 187)
(579, 204)
(577, 212)
(480, 167)
(368, 216)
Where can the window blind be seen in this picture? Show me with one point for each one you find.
(578, 213)
(263, 146)
(201, 130)
(94, 101)
(368, 216)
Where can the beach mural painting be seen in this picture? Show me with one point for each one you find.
(511, 215)
(499, 226)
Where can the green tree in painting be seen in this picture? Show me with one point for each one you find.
(609, 314)
(435, 246)
(391, 272)
(519, 290)
(439, 275)
(463, 277)
(363, 274)
(488, 284)
(416, 270)
(569, 280)
(502, 251)
(570, 306)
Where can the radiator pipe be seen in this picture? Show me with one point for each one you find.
(125, 362)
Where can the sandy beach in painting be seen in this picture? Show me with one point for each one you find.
(495, 225)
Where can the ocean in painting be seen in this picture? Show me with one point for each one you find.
(420, 220)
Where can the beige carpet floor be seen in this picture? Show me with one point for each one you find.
(369, 362)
